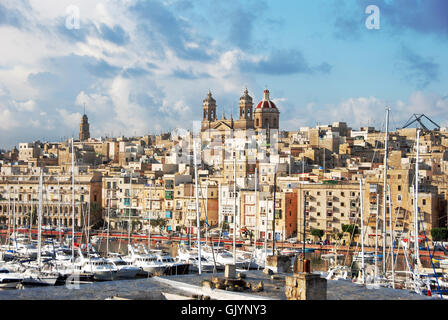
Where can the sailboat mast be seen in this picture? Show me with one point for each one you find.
(198, 214)
(273, 212)
(234, 209)
(362, 231)
(206, 212)
(59, 212)
(129, 212)
(376, 236)
(9, 217)
(391, 238)
(108, 222)
(14, 218)
(73, 205)
(416, 199)
(256, 209)
(149, 220)
(39, 232)
(386, 140)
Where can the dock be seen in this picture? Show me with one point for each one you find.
(188, 287)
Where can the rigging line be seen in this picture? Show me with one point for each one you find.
(429, 251)
(393, 120)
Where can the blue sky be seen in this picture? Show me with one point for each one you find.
(145, 66)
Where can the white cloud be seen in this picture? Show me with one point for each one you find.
(71, 120)
(7, 120)
(29, 105)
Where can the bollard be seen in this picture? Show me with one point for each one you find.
(230, 271)
(305, 285)
(299, 266)
(279, 263)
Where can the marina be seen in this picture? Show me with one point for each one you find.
(171, 272)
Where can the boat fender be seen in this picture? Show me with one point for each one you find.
(429, 294)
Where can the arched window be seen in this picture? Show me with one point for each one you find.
(257, 122)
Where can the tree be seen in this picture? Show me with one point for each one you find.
(439, 234)
(155, 222)
(162, 224)
(350, 228)
(338, 235)
(225, 226)
(317, 233)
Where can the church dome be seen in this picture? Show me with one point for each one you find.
(266, 103)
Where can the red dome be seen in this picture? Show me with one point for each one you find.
(266, 103)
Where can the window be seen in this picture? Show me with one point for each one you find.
(424, 201)
(399, 188)
(399, 197)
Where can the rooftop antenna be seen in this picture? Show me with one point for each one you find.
(84, 108)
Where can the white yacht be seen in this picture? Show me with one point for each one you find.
(39, 278)
(125, 270)
(8, 279)
(101, 268)
(223, 257)
(144, 260)
(171, 266)
(191, 257)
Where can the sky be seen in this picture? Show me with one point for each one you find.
(143, 66)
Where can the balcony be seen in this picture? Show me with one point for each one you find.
(168, 195)
(278, 214)
(177, 215)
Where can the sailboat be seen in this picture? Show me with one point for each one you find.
(39, 275)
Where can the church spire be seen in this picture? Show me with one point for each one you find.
(84, 132)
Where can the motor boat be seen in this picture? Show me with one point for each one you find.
(191, 257)
(101, 268)
(147, 262)
(171, 266)
(10, 280)
(125, 270)
(37, 277)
